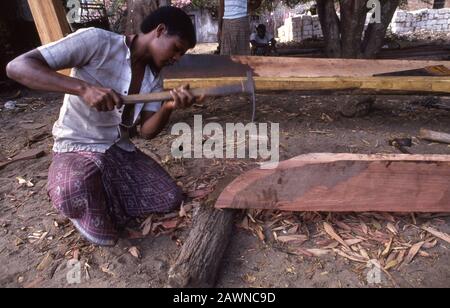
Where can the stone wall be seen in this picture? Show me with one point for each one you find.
(303, 27)
(421, 20)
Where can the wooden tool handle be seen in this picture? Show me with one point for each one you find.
(165, 96)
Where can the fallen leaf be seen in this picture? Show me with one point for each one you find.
(182, 212)
(388, 248)
(443, 236)
(292, 238)
(424, 254)
(260, 233)
(391, 264)
(46, 261)
(249, 278)
(343, 226)
(392, 228)
(330, 231)
(68, 233)
(351, 257)
(352, 242)
(134, 251)
(200, 193)
(318, 252)
(147, 226)
(170, 224)
(364, 228)
(22, 181)
(105, 269)
(413, 252)
(429, 245)
(401, 257)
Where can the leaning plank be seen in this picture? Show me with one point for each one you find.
(50, 19)
(346, 183)
(51, 22)
(211, 66)
(359, 85)
(434, 136)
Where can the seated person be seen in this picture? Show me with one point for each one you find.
(98, 178)
(262, 42)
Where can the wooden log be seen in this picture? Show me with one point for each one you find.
(357, 85)
(200, 258)
(434, 136)
(346, 183)
(199, 261)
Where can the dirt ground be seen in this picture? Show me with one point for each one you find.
(36, 242)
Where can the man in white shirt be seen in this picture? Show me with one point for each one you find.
(98, 179)
(262, 42)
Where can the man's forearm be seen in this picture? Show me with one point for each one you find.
(32, 71)
(156, 123)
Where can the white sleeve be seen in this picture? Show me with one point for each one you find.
(155, 106)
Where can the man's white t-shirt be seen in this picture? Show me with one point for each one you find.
(265, 40)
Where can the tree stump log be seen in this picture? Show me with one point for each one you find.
(198, 263)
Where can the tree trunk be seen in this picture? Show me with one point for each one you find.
(330, 28)
(138, 10)
(353, 17)
(198, 264)
(200, 258)
(376, 32)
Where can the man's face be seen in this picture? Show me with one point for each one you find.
(168, 49)
(261, 32)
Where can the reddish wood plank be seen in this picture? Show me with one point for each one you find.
(346, 183)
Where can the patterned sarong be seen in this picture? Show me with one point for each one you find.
(101, 193)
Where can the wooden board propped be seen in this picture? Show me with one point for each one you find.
(346, 183)
(50, 19)
(51, 22)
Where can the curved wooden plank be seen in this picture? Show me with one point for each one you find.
(346, 183)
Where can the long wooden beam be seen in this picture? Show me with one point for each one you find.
(346, 183)
(375, 85)
(210, 66)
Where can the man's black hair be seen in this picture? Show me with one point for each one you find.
(175, 19)
(261, 26)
